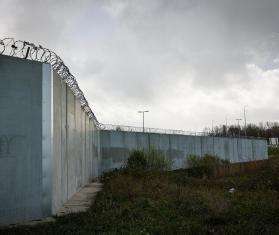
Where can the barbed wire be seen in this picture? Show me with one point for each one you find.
(151, 130)
(111, 127)
(30, 51)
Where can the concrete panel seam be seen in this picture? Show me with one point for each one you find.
(47, 138)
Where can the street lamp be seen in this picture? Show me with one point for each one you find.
(143, 111)
(245, 119)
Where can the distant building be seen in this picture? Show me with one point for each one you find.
(273, 141)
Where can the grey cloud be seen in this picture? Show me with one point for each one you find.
(214, 37)
(44, 21)
(174, 56)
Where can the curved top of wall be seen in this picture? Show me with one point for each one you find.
(30, 51)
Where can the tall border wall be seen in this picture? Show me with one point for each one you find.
(50, 147)
(21, 174)
(116, 146)
(76, 152)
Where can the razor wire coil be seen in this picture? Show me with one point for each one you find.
(30, 51)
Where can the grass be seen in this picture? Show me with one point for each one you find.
(173, 202)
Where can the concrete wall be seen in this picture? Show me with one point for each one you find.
(49, 148)
(20, 140)
(116, 145)
(76, 145)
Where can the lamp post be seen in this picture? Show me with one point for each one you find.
(244, 112)
(143, 111)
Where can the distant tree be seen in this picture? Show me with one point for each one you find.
(263, 130)
(118, 128)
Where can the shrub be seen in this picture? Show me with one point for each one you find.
(156, 160)
(137, 160)
(148, 160)
(273, 151)
(204, 166)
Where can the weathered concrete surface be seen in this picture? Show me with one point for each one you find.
(116, 146)
(49, 148)
(75, 145)
(81, 201)
(20, 140)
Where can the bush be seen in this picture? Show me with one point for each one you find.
(148, 160)
(273, 151)
(137, 160)
(204, 166)
(156, 160)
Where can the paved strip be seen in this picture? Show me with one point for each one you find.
(80, 201)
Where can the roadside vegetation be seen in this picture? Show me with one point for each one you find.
(145, 198)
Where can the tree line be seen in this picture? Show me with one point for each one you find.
(264, 130)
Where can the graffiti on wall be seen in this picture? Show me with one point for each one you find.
(8, 144)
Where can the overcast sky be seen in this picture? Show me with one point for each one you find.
(187, 61)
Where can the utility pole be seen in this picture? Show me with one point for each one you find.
(143, 111)
(238, 119)
(244, 112)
